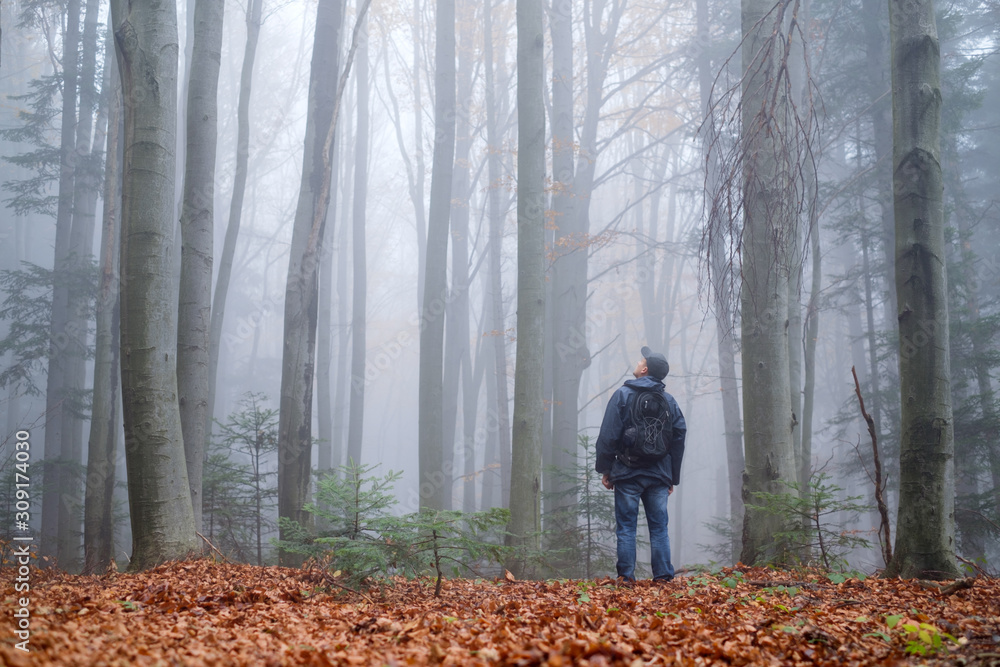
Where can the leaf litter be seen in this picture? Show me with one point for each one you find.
(205, 613)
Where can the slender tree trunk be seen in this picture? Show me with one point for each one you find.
(435, 481)
(925, 531)
(722, 296)
(458, 359)
(767, 215)
(569, 271)
(301, 290)
(795, 336)
(55, 394)
(98, 533)
(324, 352)
(472, 381)
(811, 340)
(341, 403)
(359, 298)
(197, 231)
(218, 310)
(84, 210)
(496, 483)
(417, 182)
(878, 71)
(653, 295)
(979, 334)
(526, 460)
(343, 380)
(159, 496)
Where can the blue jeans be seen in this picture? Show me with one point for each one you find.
(653, 494)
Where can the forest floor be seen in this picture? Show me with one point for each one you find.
(205, 613)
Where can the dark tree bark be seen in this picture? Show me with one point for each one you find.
(301, 290)
(88, 145)
(55, 394)
(925, 531)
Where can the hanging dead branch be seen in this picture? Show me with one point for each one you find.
(762, 138)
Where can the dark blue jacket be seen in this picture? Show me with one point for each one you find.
(667, 469)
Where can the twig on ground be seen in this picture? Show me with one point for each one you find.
(213, 547)
(958, 585)
(333, 582)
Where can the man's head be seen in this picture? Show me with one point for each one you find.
(653, 364)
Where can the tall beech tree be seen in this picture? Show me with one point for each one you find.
(91, 126)
(98, 519)
(298, 360)
(159, 496)
(359, 301)
(434, 480)
(253, 20)
(768, 211)
(197, 231)
(55, 390)
(526, 453)
(722, 294)
(496, 459)
(925, 532)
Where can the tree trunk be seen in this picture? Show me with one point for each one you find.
(876, 39)
(55, 390)
(721, 295)
(811, 340)
(458, 359)
(81, 243)
(98, 532)
(925, 531)
(298, 360)
(197, 232)
(767, 226)
(359, 298)
(324, 351)
(434, 480)
(417, 181)
(526, 459)
(979, 335)
(159, 497)
(569, 270)
(343, 379)
(218, 310)
(496, 482)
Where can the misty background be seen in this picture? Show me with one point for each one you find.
(638, 86)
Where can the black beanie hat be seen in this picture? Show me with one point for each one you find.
(656, 363)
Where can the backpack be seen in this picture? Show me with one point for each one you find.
(649, 429)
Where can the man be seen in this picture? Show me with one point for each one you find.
(650, 481)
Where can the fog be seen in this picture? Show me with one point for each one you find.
(647, 263)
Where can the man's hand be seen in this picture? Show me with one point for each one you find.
(606, 481)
